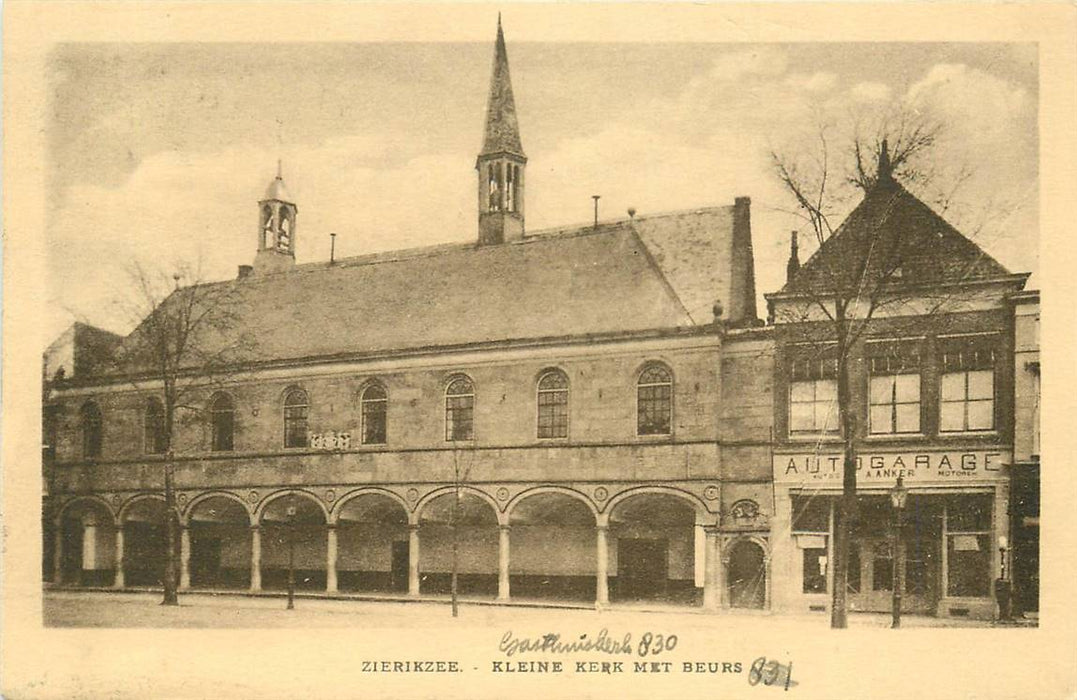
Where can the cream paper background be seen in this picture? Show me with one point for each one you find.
(323, 663)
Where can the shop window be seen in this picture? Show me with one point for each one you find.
(553, 405)
(374, 403)
(296, 413)
(153, 425)
(654, 401)
(459, 409)
(968, 545)
(918, 556)
(222, 417)
(90, 422)
(967, 393)
(853, 581)
(882, 567)
(813, 396)
(811, 530)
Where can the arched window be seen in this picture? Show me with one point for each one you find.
(459, 409)
(373, 403)
(90, 421)
(296, 409)
(654, 401)
(267, 227)
(553, 405)
(510, 188)
(222, 418)
(153, 424)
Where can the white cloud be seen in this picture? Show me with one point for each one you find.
(870, 92)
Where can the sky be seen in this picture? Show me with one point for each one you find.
(160, 152)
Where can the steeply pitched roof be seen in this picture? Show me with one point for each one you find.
(502, 132)
(658, 272)
(893, 231)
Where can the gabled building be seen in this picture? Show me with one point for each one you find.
(931, 352)
(549, 410)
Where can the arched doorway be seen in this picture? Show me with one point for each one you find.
(220, 555)
(372, 544)
(467, 525)
(145, 542)
(552, 545)
(747, 575)
(293, 529)
(87, 544)
(653, 545)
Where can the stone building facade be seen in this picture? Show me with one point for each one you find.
(576, 413)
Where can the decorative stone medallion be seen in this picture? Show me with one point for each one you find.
(601, 493)
(711, 493)
(182, 498)
(117, 499)
(502, 494)
(744, 509)
(252, 496)
(413, 495)
(330, 496)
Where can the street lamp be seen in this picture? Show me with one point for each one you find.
(1003, 589)
(291, 555)
(898, 495)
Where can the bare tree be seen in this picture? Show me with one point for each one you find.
(179, 346)
(855, 276)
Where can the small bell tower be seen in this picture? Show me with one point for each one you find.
(502, 161)
(276, 228)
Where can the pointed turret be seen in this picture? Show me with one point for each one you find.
(793, 265)
(501, 162)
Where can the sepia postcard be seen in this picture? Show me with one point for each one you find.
(538, 350)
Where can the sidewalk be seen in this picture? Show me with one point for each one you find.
(139, 607)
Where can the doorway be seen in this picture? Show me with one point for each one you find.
(642, 568)
(747, 576)
(205, 561)
(871, 560)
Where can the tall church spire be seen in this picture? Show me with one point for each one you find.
(501, 162)
(502, 133)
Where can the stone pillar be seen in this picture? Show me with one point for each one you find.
(256, 558)
(413, 559)
(89, 548)
(117, 580)
(602, 562)
(185, 558)
(331, 558)
(503, 563)
(711, 585)
(58, 554)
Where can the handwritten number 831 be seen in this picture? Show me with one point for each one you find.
(655, 644)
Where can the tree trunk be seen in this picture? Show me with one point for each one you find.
(455, 545)
(847, 506)
(171, 578)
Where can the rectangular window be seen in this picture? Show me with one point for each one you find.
(894, 404)
(813, 395)
(815, 569)
(882, 567)
(968, 545)
(459, 411)
(813, 406)
(295, 426)
(967, 391)
(553, 414)
(967, 401)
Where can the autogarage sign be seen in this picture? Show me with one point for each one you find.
(951, 466)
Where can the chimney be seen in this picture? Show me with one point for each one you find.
(244, 270)
(793, 266)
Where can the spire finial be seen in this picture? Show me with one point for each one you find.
(885, 172)
(793, 265)
(280, 170)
